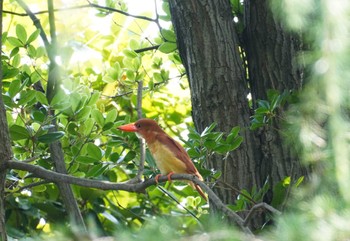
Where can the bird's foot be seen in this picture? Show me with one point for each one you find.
(156, 178)
(169, 176)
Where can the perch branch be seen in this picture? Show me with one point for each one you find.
(130, 187)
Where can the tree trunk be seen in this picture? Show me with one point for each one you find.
(209, 50)
(271, 56)
(208, 47)
(5, 146)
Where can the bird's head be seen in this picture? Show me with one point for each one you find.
(143, 128)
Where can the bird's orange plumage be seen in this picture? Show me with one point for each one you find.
(169, 155)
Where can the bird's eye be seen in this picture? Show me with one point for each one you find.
(138, 125)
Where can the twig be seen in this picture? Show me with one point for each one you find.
(121, 12)
(31, 159)
(147, 49)
(89, 5)
(256, 207)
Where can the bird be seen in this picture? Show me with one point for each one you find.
(169, 155)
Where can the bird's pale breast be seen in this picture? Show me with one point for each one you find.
(165, 159)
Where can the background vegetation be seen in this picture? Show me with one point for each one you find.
(73, 72)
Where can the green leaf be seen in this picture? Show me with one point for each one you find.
(31, 51)
(38, 116)
(14, 51)
(72, 128)
(96, 114)
(94, 151)
(96, 170)
(86, 160)
(21, 33)
(14, 87)
(233, 134)
(40, 97)
(169, 35)
(83, 114)
(93, 99)
(33, 36)
(15, 42)
(111, 115)
(108, 126)
(128, 157)
(18, 133)
(16, 60)
(10, 73)
(237, 142)
(167, 47)
(40, 188)
(51, 137)
(26, 97)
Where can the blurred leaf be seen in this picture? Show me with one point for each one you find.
(130, 53)
(50, 137)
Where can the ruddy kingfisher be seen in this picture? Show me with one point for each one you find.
(169, 155)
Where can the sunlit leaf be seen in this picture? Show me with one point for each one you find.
(21, 33)
(15, 42)
(33, 36)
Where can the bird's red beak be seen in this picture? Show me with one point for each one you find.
(128, 127)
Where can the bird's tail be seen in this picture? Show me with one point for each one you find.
(200, 191)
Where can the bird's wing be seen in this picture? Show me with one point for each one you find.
(179, 152)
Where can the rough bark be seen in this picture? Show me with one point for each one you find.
(5, 146)
(271, 53)
(208, 46)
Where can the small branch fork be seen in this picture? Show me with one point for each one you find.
(139, 187)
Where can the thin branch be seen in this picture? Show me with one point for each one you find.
(147, 49)
(121, 12)
(31, 159)
(89, 5)
(258, 206)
